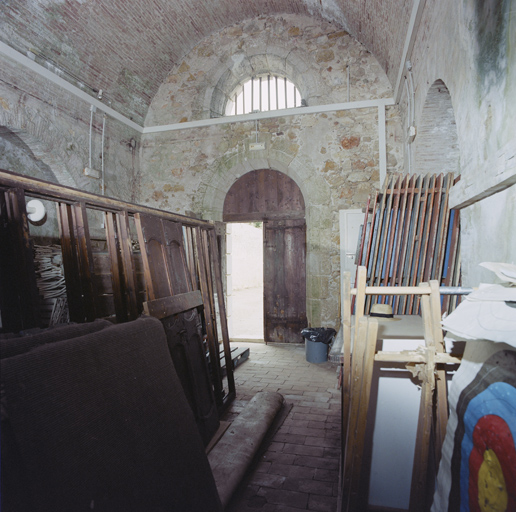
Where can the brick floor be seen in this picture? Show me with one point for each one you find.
(300, 469)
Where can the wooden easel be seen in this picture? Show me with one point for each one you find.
(357, 376)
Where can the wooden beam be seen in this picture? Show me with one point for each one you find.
(166, 306)
(413, 356)
(394, 290)
(69, 195)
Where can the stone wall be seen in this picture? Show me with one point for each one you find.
(333, 157)
(469, 45)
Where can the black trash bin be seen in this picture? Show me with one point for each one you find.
(317, 340)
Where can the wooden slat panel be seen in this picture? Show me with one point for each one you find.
(405, 241)
(167, 306)
(222, 313)
(346, 356)
(377, 233)
(284, 267)
(367, 259)
(400, 233)
(118, 284)
(392, 230)
(19, 296)
(190, 256)
(357, 369)
(441, 410)
(208, 252)
(365, 391)
(153, 248)
(179, 274)
(424, 427)
(209, 316)
(433, 230)
(413, 241)
(444, 221)
(363, 238)
(453, 249)
(85, 255)
(70, 264)
(425, 236)
(128, 265)
(415, 277)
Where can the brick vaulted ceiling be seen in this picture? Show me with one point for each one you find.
(127, 47)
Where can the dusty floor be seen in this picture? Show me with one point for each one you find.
(299, 470)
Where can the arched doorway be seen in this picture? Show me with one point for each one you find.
(275, 199)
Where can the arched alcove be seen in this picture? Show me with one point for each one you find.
(32, 154)
(436, 143)
(18, 156)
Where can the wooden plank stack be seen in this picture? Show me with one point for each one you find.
(179, 255)
(410, 236)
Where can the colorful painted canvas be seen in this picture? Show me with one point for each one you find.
(478, 464)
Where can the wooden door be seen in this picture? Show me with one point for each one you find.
(284, 276)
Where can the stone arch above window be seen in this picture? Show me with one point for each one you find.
(241, 67)
(263, 93)
(437, 146)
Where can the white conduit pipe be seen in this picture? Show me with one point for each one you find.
(412, 98)
(102, 156)
(349, 94)
(91, 127)
(407, 145)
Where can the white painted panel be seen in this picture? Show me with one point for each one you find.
(349, 222)
(394, 435)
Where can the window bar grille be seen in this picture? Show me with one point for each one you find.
(269, 91)
(252, 94)
(261, 106)
(286, 97)
(277, 95)
(243, 100)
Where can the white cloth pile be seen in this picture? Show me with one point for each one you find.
(489, 313)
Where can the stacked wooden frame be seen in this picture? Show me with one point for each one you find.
(411, 236)
(358, 356)
(185, 279)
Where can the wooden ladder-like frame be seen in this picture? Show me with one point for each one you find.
(357, 377)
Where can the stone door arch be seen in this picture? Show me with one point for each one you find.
(276, 200)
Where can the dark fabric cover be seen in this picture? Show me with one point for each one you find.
(23, 343)
(101, 423)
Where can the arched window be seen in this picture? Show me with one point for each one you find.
(262, 93)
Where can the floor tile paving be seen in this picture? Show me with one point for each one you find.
(300, 468)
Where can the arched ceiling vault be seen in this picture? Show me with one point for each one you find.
(127, 47)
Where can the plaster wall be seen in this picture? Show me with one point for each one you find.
(333, 157)
(470, 45)
(44, 133)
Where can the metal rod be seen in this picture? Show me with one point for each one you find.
(455, 290)
(413, 290)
